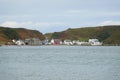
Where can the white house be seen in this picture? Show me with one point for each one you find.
(18, 42)
(94, 42)
(68, 42)
(76, 42)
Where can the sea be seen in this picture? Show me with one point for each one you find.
(60, 63)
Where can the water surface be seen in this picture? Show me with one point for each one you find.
(59, 63)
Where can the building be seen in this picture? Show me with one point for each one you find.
(46, 41)
(75, 42)
(18, 42)
(68, 42)
(94, 42)
(56, 42)
(33, 41)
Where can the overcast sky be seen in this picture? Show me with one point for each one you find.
(56, 15)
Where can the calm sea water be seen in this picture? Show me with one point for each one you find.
(60, 63)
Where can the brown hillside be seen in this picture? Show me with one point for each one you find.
(25, 33)
(7, 34)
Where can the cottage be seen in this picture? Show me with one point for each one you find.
(94, 42)
(68, 42)
(56, 41)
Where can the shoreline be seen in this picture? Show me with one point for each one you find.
(61, 45)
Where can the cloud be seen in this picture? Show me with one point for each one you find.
(9, 24)
(41, 26)
(108, 13)
(14, 16)
(46, 24)
(14, 24)
(73, 11)
(50, 26)
(110, 22)
(90, 13)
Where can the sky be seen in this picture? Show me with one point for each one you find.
(57, 15)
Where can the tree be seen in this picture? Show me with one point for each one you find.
(10, 33)
(104, 35)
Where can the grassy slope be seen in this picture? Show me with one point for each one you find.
(106, 34)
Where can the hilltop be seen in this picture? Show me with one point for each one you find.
(105, 34)
(7, 34)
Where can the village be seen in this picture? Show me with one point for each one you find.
(37, 42)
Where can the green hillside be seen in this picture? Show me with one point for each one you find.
(7, 34)
(106, 34)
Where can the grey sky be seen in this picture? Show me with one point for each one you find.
(57, 15)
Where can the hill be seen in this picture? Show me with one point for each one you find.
(106, 34)
(7, 34)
